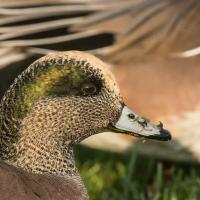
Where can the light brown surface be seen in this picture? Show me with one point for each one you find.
(160, 89)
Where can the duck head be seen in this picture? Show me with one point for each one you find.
(76, 93)
(63, 98)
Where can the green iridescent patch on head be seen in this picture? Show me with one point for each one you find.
(52, 81)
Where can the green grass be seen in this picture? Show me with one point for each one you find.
(110, 176)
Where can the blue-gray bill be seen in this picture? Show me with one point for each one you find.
(136, 125)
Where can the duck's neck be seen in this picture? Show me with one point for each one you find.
(35, 143)
(45, 155)
(40, 144)
(45, 158)
(42, 147)
(40, 155)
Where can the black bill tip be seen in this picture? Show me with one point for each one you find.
(163, 136)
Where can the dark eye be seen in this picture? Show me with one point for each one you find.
(88, 88)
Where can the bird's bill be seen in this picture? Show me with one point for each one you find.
(131, 123)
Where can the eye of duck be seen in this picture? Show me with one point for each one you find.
(88, 88)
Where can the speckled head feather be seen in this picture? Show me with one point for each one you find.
(46, 110)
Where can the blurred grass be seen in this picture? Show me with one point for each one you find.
(110, 176)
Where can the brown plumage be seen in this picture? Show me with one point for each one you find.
(18, 184)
